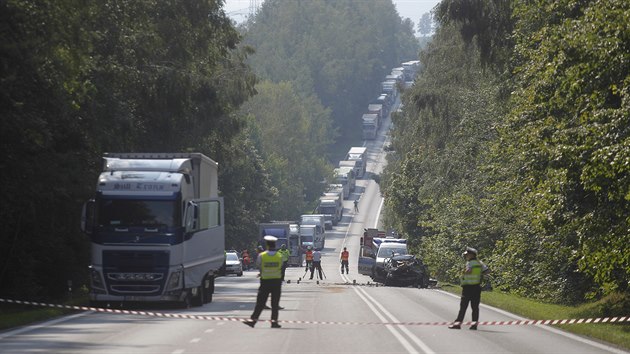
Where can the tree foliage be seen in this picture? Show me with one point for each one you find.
(338, 51)
(292, 133)
(83, 77)
(537, 180)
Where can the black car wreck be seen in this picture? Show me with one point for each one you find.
(406, 270)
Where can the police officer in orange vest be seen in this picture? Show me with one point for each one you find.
(344, 260)
(270, 265)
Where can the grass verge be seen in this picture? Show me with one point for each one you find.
(12, 316)
(615, 334)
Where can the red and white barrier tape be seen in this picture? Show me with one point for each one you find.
(240, 319)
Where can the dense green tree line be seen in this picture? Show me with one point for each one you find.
(83, 77)
(519, 145)
(337, 51)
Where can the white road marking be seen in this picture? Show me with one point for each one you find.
(547, 328)
(209, 330)
(195, 340)
(410, 349)
(425, 348)
(178, 351)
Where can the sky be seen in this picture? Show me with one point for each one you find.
(413, 9)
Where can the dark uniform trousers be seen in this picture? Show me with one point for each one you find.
(268, 286)
(317, 265)
(470, 294)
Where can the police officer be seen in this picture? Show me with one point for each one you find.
(345, 255)
(270, 265)
(471, 288)
(285, 258)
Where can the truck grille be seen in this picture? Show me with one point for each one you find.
(141, 273)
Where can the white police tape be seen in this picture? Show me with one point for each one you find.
(237, 319)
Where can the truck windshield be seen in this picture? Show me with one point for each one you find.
(307, 239)
(327, 209)
(138, 213)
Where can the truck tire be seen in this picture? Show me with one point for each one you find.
(186, 302)
(197, 300)
(209, 288)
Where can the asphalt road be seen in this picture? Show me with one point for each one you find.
(327, 316)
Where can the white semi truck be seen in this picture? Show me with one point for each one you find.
(318, 234)
(358, 154)
(331, 205)
(369, 126)
(156, 227)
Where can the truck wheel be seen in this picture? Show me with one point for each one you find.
(185, 303)
(209, 288)
(424, 282)
(198, 299)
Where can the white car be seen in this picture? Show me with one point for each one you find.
(233, 264)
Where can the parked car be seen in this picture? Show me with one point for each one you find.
(233, 264)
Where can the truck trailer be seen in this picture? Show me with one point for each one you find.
(369, 126)
(358, 154)
(156, 229)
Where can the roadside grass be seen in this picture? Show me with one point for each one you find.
(12, 316)
(615, 334)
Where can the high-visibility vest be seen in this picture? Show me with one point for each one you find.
(474, 277)
(345, 255)
(309, 255)
(271, 266)
(285, 255)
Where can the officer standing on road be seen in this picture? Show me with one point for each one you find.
(270, 264)
(471, 288)
(345, 255)
(285, 258)
(356, 206)
(317, 264)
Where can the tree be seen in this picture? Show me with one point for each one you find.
(83, 77)
(337, 51)
(425, 25)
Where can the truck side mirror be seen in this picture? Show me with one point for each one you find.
(87, 217)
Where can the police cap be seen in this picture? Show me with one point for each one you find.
(269, 238)
(470, 250)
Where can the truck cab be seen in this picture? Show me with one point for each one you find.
(281, 230)
(369, 126)
(310, 236)
(319, 222)
(156, 227)
(347, 178)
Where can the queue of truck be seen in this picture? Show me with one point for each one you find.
(156, 221)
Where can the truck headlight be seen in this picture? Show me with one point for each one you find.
(97, 280)
(174, 280)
